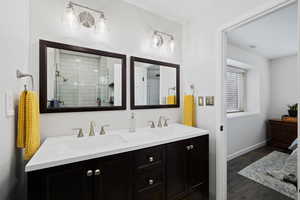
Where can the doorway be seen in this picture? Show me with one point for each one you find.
(241, 92)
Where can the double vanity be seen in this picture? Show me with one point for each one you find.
(150, 164)
(163, 163)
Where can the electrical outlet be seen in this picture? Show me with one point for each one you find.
(210, 100)
(9, 99)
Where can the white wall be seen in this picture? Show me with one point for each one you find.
(200, 37)
(14, 37)
(283, 85)
(129, 32)
(249, 130)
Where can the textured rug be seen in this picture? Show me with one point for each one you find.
(257, 172)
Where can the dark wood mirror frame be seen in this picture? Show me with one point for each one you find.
(43, 77)
(132, 82)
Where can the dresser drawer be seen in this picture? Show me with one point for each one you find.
(148, 157)
(148, 178)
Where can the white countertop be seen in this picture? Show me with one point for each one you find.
(56, 151)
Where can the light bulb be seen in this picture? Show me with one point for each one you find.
(101, 24)
(70, 17)
(172, 44)
(157, 40)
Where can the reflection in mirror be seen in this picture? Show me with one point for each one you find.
(77, 79)
(155, 84)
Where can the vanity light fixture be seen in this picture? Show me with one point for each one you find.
(70, 16)
(158, 39)
(101, 24)
(87, 17)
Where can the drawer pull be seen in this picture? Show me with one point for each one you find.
(151, 159)
(188, 147)
(97, 172)
(192, 147)
(89, 173)
(151, 181)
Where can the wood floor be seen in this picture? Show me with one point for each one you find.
(241, 188)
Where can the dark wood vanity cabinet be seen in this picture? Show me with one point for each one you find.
(112, 178)
(177, 170)
(60, 183)
(187, 169)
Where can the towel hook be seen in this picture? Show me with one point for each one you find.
(23, 75)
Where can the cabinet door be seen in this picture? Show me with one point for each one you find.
(176, 176)
(68, 182)
(113, 178)
(198, 162)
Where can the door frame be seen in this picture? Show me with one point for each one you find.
(221, 119)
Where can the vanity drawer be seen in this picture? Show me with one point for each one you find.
(148, 178)
(153, 193)
(148, 157)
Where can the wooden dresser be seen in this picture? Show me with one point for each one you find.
(281, 133)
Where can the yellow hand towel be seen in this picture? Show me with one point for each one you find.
(189, 111)
(171, 100)
(29, 124)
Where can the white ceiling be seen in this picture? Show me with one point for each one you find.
(274, 35)
(185, 10)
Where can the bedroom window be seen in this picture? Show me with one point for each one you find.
(235, 86)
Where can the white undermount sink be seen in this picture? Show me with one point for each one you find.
(92, 143)
(140, 136)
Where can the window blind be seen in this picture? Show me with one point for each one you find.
(234, 89)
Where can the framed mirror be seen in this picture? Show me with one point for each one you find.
(77, 79)
(154, 84)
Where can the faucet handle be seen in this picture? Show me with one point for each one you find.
(152, 124)
(102, 131)
(80, 132)
(166, 123)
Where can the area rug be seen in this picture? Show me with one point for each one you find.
(257, 172)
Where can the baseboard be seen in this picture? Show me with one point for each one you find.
(246, 150)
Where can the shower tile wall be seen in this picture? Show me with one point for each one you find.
(81, 87)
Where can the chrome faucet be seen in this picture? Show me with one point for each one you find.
(160, 125)
(92, 128)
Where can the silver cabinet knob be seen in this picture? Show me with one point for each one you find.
(192, 146)
(151, 181)
(151, 159)
(188, 147)
(97, 172)
(89, 173)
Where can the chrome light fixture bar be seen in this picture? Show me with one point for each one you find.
(158, 39)
(71, 4)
